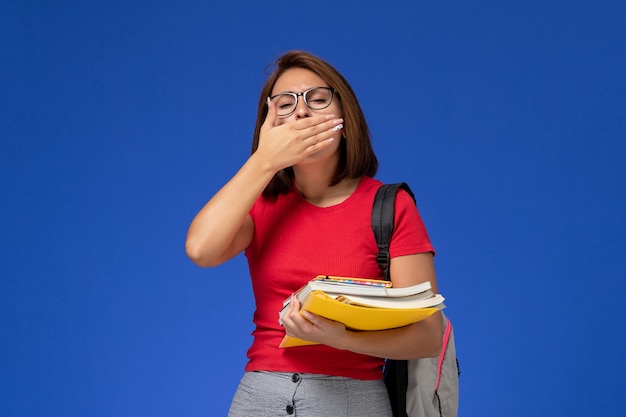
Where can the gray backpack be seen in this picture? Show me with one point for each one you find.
(426, 387)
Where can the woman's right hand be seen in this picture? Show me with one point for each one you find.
(223, 227)
(286, 144)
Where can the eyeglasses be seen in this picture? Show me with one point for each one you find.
(316, 98)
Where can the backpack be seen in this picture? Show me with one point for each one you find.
(425, 387)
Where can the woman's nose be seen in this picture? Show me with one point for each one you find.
(302, 110)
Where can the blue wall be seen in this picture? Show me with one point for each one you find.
(119, 120)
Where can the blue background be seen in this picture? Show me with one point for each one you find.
(120, 119)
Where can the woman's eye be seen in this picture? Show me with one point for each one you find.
(284, 102)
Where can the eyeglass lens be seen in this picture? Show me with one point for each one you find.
(316, 99)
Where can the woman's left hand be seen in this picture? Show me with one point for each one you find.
(312, 327)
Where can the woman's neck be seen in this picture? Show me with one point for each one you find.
(315, 189)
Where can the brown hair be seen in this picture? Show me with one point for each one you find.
(357, 157)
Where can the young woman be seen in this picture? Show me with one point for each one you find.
(300, 206)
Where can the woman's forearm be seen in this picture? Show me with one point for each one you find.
(418, 340)
(218, 231)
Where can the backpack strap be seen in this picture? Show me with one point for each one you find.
(396, 371)
(444, 346)
(383, 221)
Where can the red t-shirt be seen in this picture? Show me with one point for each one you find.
(293, 242)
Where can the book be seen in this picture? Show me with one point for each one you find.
(345, 286)
(418, 301)
(357, 286)
(365, 312)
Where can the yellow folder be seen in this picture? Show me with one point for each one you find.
(357, 317)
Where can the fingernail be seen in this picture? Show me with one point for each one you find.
(338, 127)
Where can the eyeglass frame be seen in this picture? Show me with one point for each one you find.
(303, 94)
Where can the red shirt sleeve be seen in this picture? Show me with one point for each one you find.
(410, 235)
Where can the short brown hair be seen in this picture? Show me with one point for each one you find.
(357, 156)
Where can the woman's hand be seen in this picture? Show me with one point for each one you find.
(284, 145)
(312, 327)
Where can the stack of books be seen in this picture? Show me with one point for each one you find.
(363, 304)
